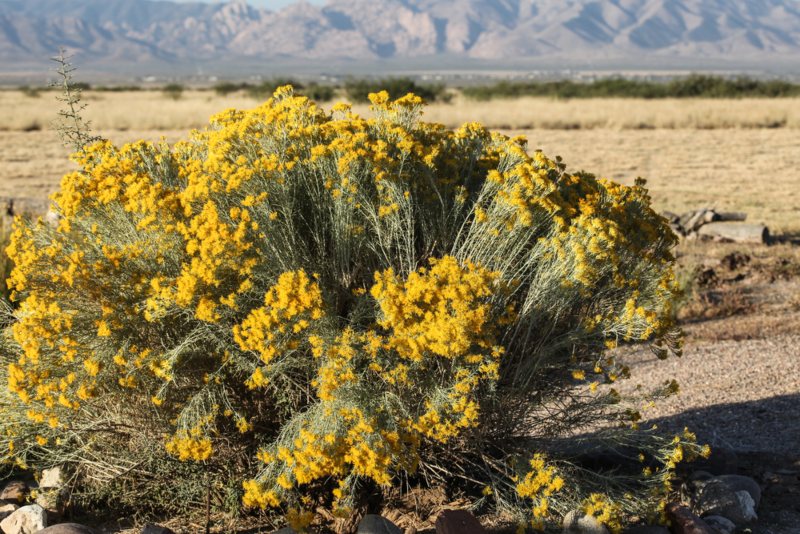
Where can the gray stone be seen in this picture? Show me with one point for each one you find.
(576, 522)
(156, 529)
(26, 520)
(52, 218)
(741, 483)
(723, 525)
(16, 490)
(747, 505)
(51, 478)
(375, 524)
(715, 496)
(68, 528)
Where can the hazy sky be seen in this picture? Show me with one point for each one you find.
(271, 4)
(274, 4)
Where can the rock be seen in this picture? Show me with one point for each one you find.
(25, 520)
(16, 490)
(51, 478)
(577, 522)
(728, 496)
(52, 218)
(458, 522)
(375, 524)
(723, 525)
(747, 505)
(7, 509)
(51, 500)
(68, 528)
(158, 529)
(685, 522)
(647, 529)
(742, 483)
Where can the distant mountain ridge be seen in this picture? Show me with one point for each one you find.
(140, 31)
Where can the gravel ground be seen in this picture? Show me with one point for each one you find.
(742, 395)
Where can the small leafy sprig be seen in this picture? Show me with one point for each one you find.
(74, 130)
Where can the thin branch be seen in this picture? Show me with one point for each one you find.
(74, 131)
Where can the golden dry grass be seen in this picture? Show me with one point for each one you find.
(620, 113)
(755, 171)
(135, 110)
(152, 110)
(688, 163)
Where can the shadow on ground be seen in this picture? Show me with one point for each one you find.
(760, 439)
(767, 425)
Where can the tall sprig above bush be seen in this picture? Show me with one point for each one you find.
(75, 132)
(308, 303)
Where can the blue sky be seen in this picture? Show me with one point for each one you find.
(270, 4)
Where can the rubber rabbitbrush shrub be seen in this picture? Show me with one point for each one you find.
(304, 304)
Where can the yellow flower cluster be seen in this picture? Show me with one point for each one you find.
(358, 446)
(289, 308)
(337, 365)
(255, 496)
(606, 511)
(441, 311)
(185, 446)
(445, 311)
(539, 484)
(299, 519)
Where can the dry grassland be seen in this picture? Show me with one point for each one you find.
(694, 153)
(621, 113)
(152, 110)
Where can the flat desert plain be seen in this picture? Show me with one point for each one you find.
(734, 155)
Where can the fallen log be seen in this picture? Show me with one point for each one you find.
(693, 220)
(738, 232)
(731, 216)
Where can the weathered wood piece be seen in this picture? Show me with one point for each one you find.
(731, 216)
(738, 232)
(693, 220)
(685, 522)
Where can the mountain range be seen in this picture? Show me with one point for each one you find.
(142, 32)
